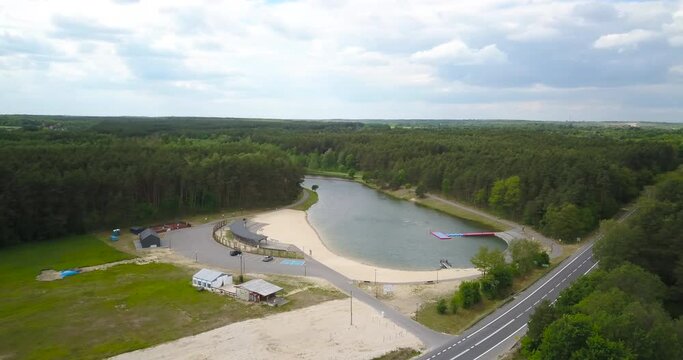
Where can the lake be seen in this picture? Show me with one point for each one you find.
(366, 225)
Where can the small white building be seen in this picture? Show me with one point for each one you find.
(211, 279)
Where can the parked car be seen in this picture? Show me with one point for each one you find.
(235, 252)
(267, 258)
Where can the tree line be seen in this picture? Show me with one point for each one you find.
(631, 307)
(559, 180)
(57, 184)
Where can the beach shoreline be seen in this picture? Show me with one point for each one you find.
(292, 227)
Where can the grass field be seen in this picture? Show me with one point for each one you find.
(103, 313)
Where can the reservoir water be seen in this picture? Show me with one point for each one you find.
(366, 225)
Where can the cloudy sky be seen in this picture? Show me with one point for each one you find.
(541, 60)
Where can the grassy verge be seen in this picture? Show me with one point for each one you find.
(465, 318)
(399, 354)
(312, 199)
(103, 313)
(337, 174)
(460, 213)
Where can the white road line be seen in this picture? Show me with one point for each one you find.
(530, 295)
(591, 268)
(459, 355)
(502, 341)
(494, 333)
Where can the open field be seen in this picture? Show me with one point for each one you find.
(322, 331)
(104, 313)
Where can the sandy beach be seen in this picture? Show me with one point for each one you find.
(291, 226)
(318, 332)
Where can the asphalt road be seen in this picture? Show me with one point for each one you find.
(197, 242)
(496, 333)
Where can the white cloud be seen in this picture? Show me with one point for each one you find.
(676, 70)
(244, 57)
(456, 52)
(625, 41)
(674, 30)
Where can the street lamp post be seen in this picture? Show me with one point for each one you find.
(351, 305)
(375, 282)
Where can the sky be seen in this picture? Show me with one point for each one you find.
(331, 59)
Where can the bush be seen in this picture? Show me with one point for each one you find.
(497, 283)
(455, 300)
(441, 307)
(469, 294)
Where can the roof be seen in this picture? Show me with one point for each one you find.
(239, 228)
(260, 287)
(208, 275)
(147, 232)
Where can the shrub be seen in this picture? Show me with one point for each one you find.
(441, 307)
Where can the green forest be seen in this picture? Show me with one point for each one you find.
(626, 310)
(62, 175)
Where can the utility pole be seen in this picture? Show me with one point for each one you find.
(417, 308)
(351, 304)
(375, 282)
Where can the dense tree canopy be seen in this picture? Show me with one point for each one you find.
(559, 178)
(48, 189)
(626, 309)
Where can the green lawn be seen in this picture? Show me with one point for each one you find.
(103, 313)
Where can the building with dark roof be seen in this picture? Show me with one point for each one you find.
(241, 233)
(149, 238)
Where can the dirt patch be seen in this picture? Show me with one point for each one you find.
(51, 275)
(318, 332)
(48, 275)
(405, 297)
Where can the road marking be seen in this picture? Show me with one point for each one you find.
(494, 333)
(591, 268)
(459, 355)
(502, 341)
(528, 296)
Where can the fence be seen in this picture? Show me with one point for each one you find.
(226, 238)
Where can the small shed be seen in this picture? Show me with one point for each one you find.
(257, 290)
(211, 279)
(149, 238)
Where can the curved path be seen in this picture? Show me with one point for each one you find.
(555, 250)
(197, 243)
(498, 332)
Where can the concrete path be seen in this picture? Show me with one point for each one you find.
(515, 230)
(197, 242)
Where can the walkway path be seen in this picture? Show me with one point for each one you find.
(197, 242)
(555, 249)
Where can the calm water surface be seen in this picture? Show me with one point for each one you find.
(357, 222)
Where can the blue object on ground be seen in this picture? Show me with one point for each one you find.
(293, 262)
(66, 273)
(114, 238)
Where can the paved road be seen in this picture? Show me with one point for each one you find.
(198, 242)
(496, 334)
